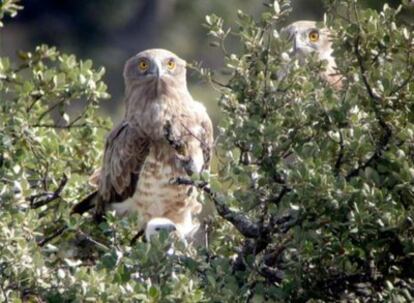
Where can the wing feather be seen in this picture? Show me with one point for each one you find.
(125, 153)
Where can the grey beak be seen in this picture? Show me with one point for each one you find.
(158, 70)
(294, 45)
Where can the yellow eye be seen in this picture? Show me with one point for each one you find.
(143, 65)
(171, 64)
(314, 36)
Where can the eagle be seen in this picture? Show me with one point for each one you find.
(164, 134)
(308, 38)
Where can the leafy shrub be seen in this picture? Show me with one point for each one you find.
(313, 189)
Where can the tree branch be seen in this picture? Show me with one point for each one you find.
(250, 248)
(271, 274)
(363, 71)
(49, 238)
(241, 222)
(383, 142)
(283, 192)
(48, 196)
(69, 126)
(257, 235)
(51, 108)
(409, 78)
(282, 223)
(405, 82)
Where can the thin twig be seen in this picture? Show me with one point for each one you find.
(49, 238)
(409, 78)
(363, 72)
(36, 99)
(405, 83)
(69, 126)
(193, 135)
(49, 196)
(43, 114)
(218, 83)
(90, 239)
(136, 237)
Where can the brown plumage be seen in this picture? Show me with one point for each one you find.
(139, 162)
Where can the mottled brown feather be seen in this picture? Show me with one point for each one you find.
(125, 152)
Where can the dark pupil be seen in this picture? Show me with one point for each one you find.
(157, 228)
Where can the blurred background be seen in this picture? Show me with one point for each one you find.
(111, 31)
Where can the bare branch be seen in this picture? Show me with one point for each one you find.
(35, 100)
(69, 126)
(48, 196)
(93, 241)
(136, 237)
(406, 81)
(43, 114)
(54, 235)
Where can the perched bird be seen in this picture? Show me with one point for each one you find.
(308, 38)
(164, 134)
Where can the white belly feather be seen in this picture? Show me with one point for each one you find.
(155, 196)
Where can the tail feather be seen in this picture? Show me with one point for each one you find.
(86, 204)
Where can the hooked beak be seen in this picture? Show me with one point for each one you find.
(158, 70)
(300, 47)
(290, 32)
(295, 44)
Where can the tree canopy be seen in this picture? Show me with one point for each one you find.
(312, 186)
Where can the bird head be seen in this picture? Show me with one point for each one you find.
(156, 225)
(154, 65)
(308, 38)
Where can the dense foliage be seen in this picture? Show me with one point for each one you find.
(313, 190)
